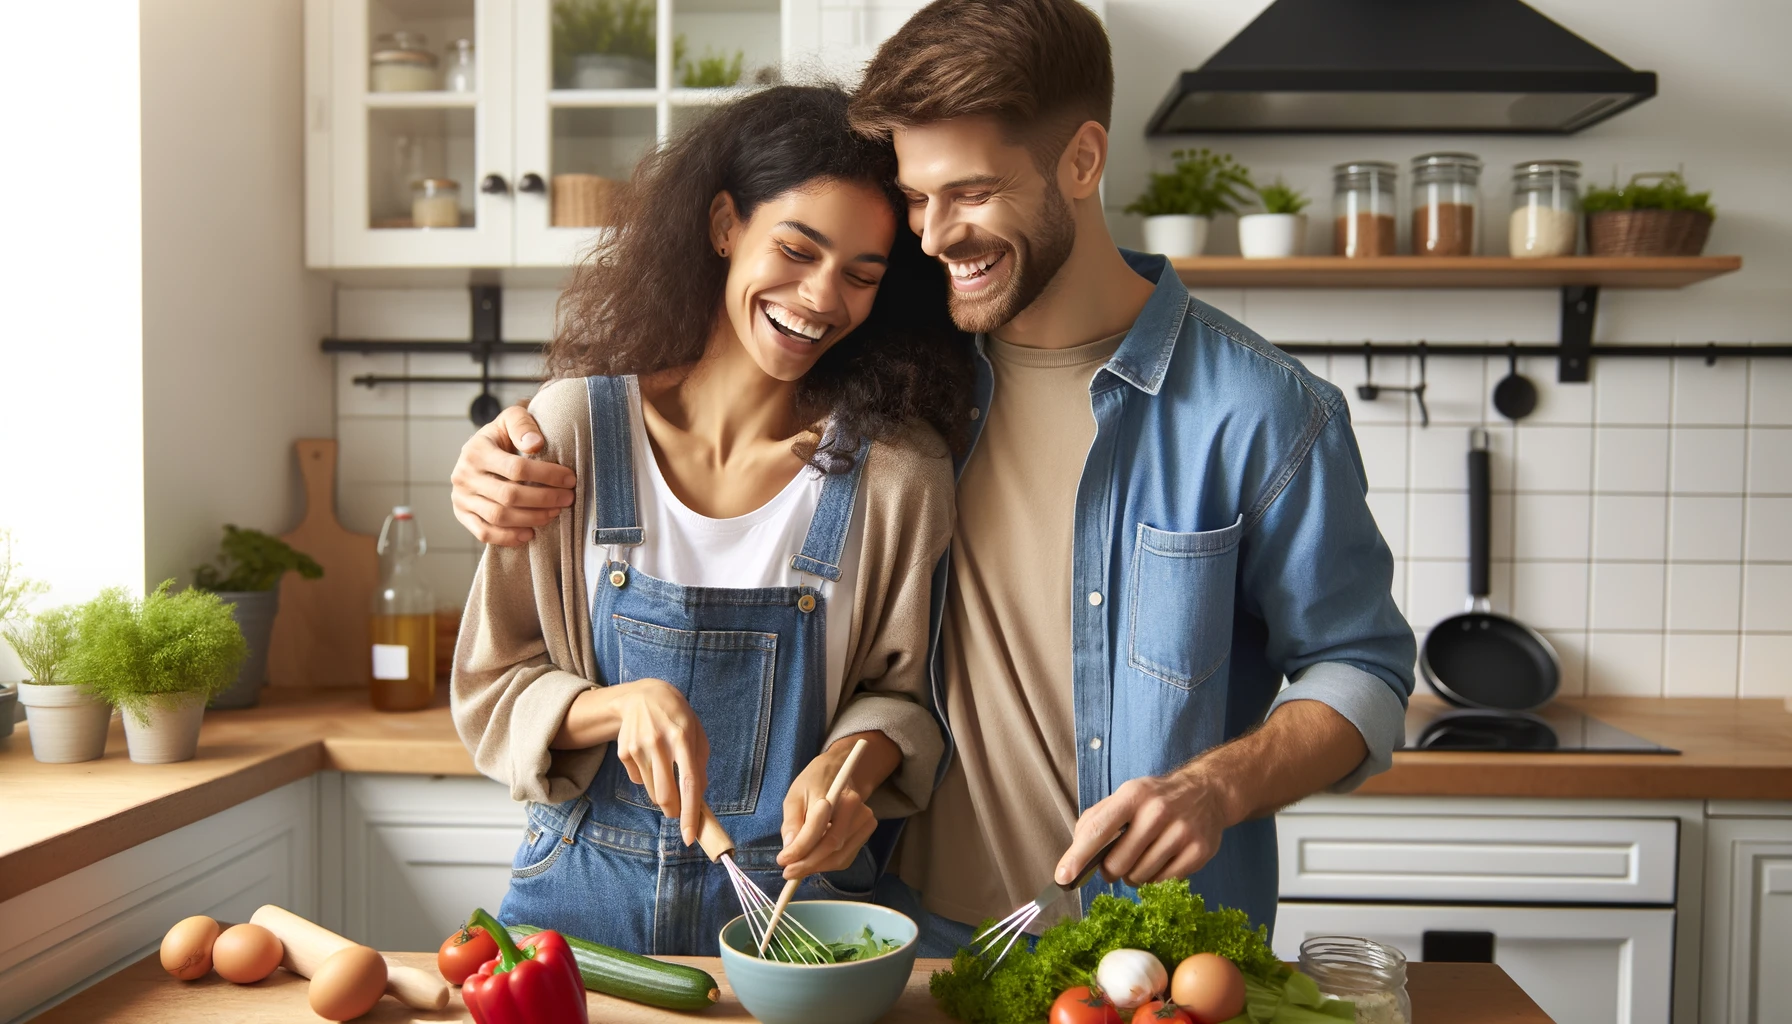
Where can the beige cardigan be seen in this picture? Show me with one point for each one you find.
(525, 647)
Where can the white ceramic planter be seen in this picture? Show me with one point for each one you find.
(67, 723)
(172, 731)
(1178, 234)
(1269, 236)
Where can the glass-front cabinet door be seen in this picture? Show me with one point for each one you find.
(599, 83)
(421, 132)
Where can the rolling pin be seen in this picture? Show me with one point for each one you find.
(309, 944)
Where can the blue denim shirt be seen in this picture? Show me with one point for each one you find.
(1222, 542)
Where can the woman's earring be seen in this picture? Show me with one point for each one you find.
(722, 252)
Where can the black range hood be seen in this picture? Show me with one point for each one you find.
(1434, 66)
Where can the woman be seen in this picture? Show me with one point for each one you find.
(756, 371)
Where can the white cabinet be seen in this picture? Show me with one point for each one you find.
(407, 857)
(67, 934)
(1582, 965)
(1748, 915)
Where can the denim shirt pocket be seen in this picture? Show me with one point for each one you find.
(1180, 628)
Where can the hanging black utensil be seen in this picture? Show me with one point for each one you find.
(485, 407)
(1479, 659)
(1514, 396)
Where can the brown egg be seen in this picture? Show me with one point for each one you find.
(246, 953)
(1209, 987)
(187, 948)
(348, 983)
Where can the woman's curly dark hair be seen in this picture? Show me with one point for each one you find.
(647, 297)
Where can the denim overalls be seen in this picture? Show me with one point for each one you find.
(609, 866)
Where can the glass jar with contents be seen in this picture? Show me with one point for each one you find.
(1366, 973)
(1363, 208)
(403, 628)
(401, 62)
(1545, 217)
(1446, 204)
(435, 203)
(459, 75)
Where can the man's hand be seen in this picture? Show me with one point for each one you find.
(501, 497)
(1175, 824)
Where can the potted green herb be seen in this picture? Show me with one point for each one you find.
(247, 577)
(158, 660)
(68, 721)
(1179, 206)
(604, 44)
(1280, 230)
(712, 72)
(1655, 214)
(16, 591)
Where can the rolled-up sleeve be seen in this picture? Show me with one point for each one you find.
(1319, 575)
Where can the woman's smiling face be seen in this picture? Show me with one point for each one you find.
(803, 271)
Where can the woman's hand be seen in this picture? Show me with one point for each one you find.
(658, 738)
(812, 845)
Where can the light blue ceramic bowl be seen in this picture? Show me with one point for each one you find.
(849, 993)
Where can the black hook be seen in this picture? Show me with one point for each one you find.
(1711, 353)
(1368, 390)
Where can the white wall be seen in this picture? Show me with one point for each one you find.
(231, 371)
(71, 463)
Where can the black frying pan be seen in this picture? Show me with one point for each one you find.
(1479, 659)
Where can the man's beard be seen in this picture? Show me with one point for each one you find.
(1038, 255)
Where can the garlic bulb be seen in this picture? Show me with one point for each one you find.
(1130, 977)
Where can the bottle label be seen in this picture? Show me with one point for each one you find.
(391, 661)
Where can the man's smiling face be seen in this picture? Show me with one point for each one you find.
(981, 205)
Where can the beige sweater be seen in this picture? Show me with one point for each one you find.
(525, 647)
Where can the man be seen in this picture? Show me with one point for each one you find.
(1161, 517)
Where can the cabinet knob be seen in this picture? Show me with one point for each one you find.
(495, 185)
(531, 182)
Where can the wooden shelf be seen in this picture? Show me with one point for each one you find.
(434, 99)
(1452, 271)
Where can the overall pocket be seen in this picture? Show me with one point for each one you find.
(727, 677)
(1182, 590)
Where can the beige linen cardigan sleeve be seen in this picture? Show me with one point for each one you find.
(525, 649)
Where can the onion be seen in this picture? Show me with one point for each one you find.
(1131, 977)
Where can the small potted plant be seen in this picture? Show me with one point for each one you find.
(1179, 206)
(158, 660)
(1280, 230)
(710, 72)
(1654, 215)
(68, 721)
(16, 591)
(604, 44)
(247, 577)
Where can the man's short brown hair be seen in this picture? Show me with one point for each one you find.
(1040, 68)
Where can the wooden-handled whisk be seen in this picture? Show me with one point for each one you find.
(834, 788)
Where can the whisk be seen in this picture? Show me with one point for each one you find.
(1011, 928)
(766, 920)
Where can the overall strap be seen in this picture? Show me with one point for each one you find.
(826, 540)
(614, 518)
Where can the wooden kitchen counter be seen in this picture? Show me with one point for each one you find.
(58, 818)
(144, 994)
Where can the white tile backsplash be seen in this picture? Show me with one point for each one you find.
(1624, 664)
(1554, 458)
(1631, 459)
(1714, 395)
(358, 400)
(434, 447)
(1766, 665)
(1552, 526)
(1571, 654)
(1707, 461)
(1437, 526)
(1767, 598)
(1383, 447)
(1704, 528)
(1701, 665)
(1770, 394)
(1628, 596)
(1629, 527)
(1770, 460)
(1550, 595)
(1440, 460)
(1703, 597)
(370, 450)
(1632, 391)
(1769, 530)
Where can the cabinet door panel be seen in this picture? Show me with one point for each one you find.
(1585, 965)
(1748, 921)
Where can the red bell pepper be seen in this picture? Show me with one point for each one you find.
(532, 982)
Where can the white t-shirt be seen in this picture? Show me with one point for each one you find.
(744, 552)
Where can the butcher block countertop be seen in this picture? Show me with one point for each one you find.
(61, 817)
(144, 994)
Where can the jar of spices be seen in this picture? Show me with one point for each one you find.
(1446, 204)
(1545, 217)
(1366, 973)
(1363, 208)
(402, 62)
(435, 203)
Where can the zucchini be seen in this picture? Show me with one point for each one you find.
(634, 977)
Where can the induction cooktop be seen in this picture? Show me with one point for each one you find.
(1552, 728)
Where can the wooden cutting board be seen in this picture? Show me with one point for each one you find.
(320, 636)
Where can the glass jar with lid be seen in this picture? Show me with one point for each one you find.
(1446, 204)
(1363, 208)
(1545, 218)
(460, 75)
(435, 203)
(1365, 972)
(401, 62)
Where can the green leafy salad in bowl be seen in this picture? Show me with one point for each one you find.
(864, 946)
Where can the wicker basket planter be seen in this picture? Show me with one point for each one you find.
(1647, 232)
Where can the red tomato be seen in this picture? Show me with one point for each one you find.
(1080, 1006)
(463, 952)
(1161, 1011)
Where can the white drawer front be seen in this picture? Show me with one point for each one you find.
(1604, 965)
(1480, 859)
